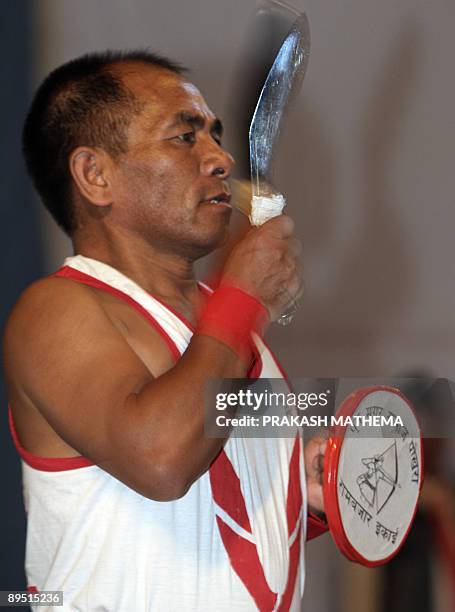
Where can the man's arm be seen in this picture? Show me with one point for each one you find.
(81, 374)
(66, 356)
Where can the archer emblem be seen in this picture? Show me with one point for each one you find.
(378, 483)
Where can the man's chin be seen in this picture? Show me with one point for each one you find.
(213, 242)
(215, 232)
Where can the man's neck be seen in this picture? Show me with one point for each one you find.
(165, 275)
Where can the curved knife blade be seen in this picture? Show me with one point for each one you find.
(283, 82)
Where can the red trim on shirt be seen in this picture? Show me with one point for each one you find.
(294, 496)
(245, 561)
(294, 556)
(45, 464)
(243, 554)
(256, 368)
(226, 490)
(315, 526)
(91, 281)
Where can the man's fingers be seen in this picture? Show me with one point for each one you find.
(315, 454)
(295, 247)
(318, 467)
(266, 265)
(280, 227)
(295, 283)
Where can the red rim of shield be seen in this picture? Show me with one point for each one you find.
(332, 456)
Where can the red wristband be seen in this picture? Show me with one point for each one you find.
(230, 315)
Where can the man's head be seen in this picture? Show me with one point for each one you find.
(127, 130)
(81, 102)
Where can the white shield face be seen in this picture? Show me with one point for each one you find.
(379, 477)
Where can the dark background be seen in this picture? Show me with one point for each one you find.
(21, 261)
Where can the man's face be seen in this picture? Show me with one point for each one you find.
(170, 187)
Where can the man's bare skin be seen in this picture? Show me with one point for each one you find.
(86, 374)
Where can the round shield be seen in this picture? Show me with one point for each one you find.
(373, 474)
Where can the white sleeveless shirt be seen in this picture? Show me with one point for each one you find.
(234, 542)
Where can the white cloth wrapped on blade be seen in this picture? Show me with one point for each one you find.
(264, 208)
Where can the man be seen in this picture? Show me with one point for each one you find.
(130, 506)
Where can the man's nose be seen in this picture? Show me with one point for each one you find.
(217, 162)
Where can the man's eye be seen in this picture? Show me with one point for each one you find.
(189, 137)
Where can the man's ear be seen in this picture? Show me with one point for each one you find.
(91, 171)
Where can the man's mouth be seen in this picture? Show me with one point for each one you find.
(221, 199)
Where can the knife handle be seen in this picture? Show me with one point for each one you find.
(259, 210)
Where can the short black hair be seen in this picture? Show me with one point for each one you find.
(82, 102)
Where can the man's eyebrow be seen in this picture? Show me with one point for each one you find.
(196, 121)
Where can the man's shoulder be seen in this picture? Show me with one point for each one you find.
(51, 294)
(45, 305)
